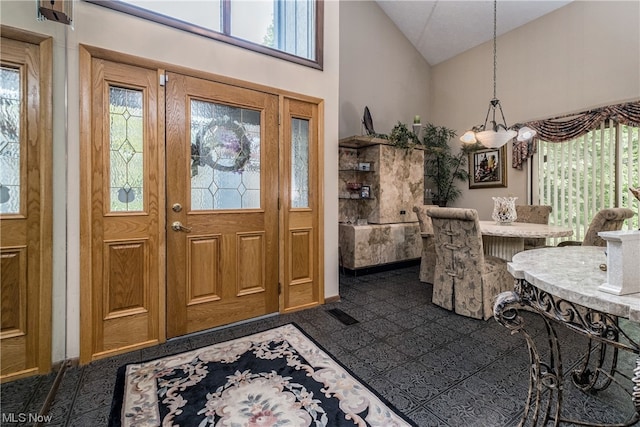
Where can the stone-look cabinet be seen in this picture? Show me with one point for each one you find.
(401, 181)
(376, 244)
(396, 179)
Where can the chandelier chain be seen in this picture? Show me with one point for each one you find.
(497, 133)
(495, 54)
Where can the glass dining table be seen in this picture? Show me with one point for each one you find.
(504, 241)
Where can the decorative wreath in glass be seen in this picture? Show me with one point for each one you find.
(222, 144)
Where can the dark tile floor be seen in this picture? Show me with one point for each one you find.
(439, 368)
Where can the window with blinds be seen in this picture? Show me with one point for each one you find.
(595, 171)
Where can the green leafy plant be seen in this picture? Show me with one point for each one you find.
(443, 168)
(402, 137)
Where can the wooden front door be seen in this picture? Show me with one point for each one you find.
(25, 207)
(222, 204)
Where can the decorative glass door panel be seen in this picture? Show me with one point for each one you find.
(127, 150)
(225, 157)
(10, 158)
(299, 163)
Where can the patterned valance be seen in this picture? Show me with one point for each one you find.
(571, 126)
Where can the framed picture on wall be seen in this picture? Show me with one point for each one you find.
(488, 168)
(365, 192)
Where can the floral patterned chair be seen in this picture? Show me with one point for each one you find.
(466, 280)
(610, 219)
(428, 258)
(534, 214)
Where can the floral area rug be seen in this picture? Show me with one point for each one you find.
(279, 377)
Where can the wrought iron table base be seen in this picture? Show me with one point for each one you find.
(599, 368)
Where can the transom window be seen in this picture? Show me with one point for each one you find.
(287, 29)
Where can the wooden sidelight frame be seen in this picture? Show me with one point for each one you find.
(302, 293)
(27, 261)
(301, 228)
(122, 265)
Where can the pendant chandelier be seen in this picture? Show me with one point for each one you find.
(496, 134)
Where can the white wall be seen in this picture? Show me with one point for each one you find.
(584, 55)
(101, 27)
(380, 69)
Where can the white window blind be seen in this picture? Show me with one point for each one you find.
(592, 172)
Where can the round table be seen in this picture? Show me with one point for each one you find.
(560, 284)
(504, 241)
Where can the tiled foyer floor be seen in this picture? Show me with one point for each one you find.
(437, 367)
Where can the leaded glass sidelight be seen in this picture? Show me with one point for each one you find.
(299, 163)
(126, 149)
(225, 157)
(10, 97)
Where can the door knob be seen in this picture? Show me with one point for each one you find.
(177, 226)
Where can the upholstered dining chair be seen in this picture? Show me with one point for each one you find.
(466, 280)
(428, 255)
(535, 214)
(610, 219)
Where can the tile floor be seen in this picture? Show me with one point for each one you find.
(439, 368)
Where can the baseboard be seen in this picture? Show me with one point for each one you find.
(332, 299)
(379, 268)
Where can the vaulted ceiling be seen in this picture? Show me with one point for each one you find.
(441, 29)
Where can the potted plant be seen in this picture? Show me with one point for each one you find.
(442, 167)
(402, 137)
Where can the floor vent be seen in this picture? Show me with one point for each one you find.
(342, 316)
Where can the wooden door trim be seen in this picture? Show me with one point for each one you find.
(43, 138)
(86, 270)
(46, 196)
(321, 198)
